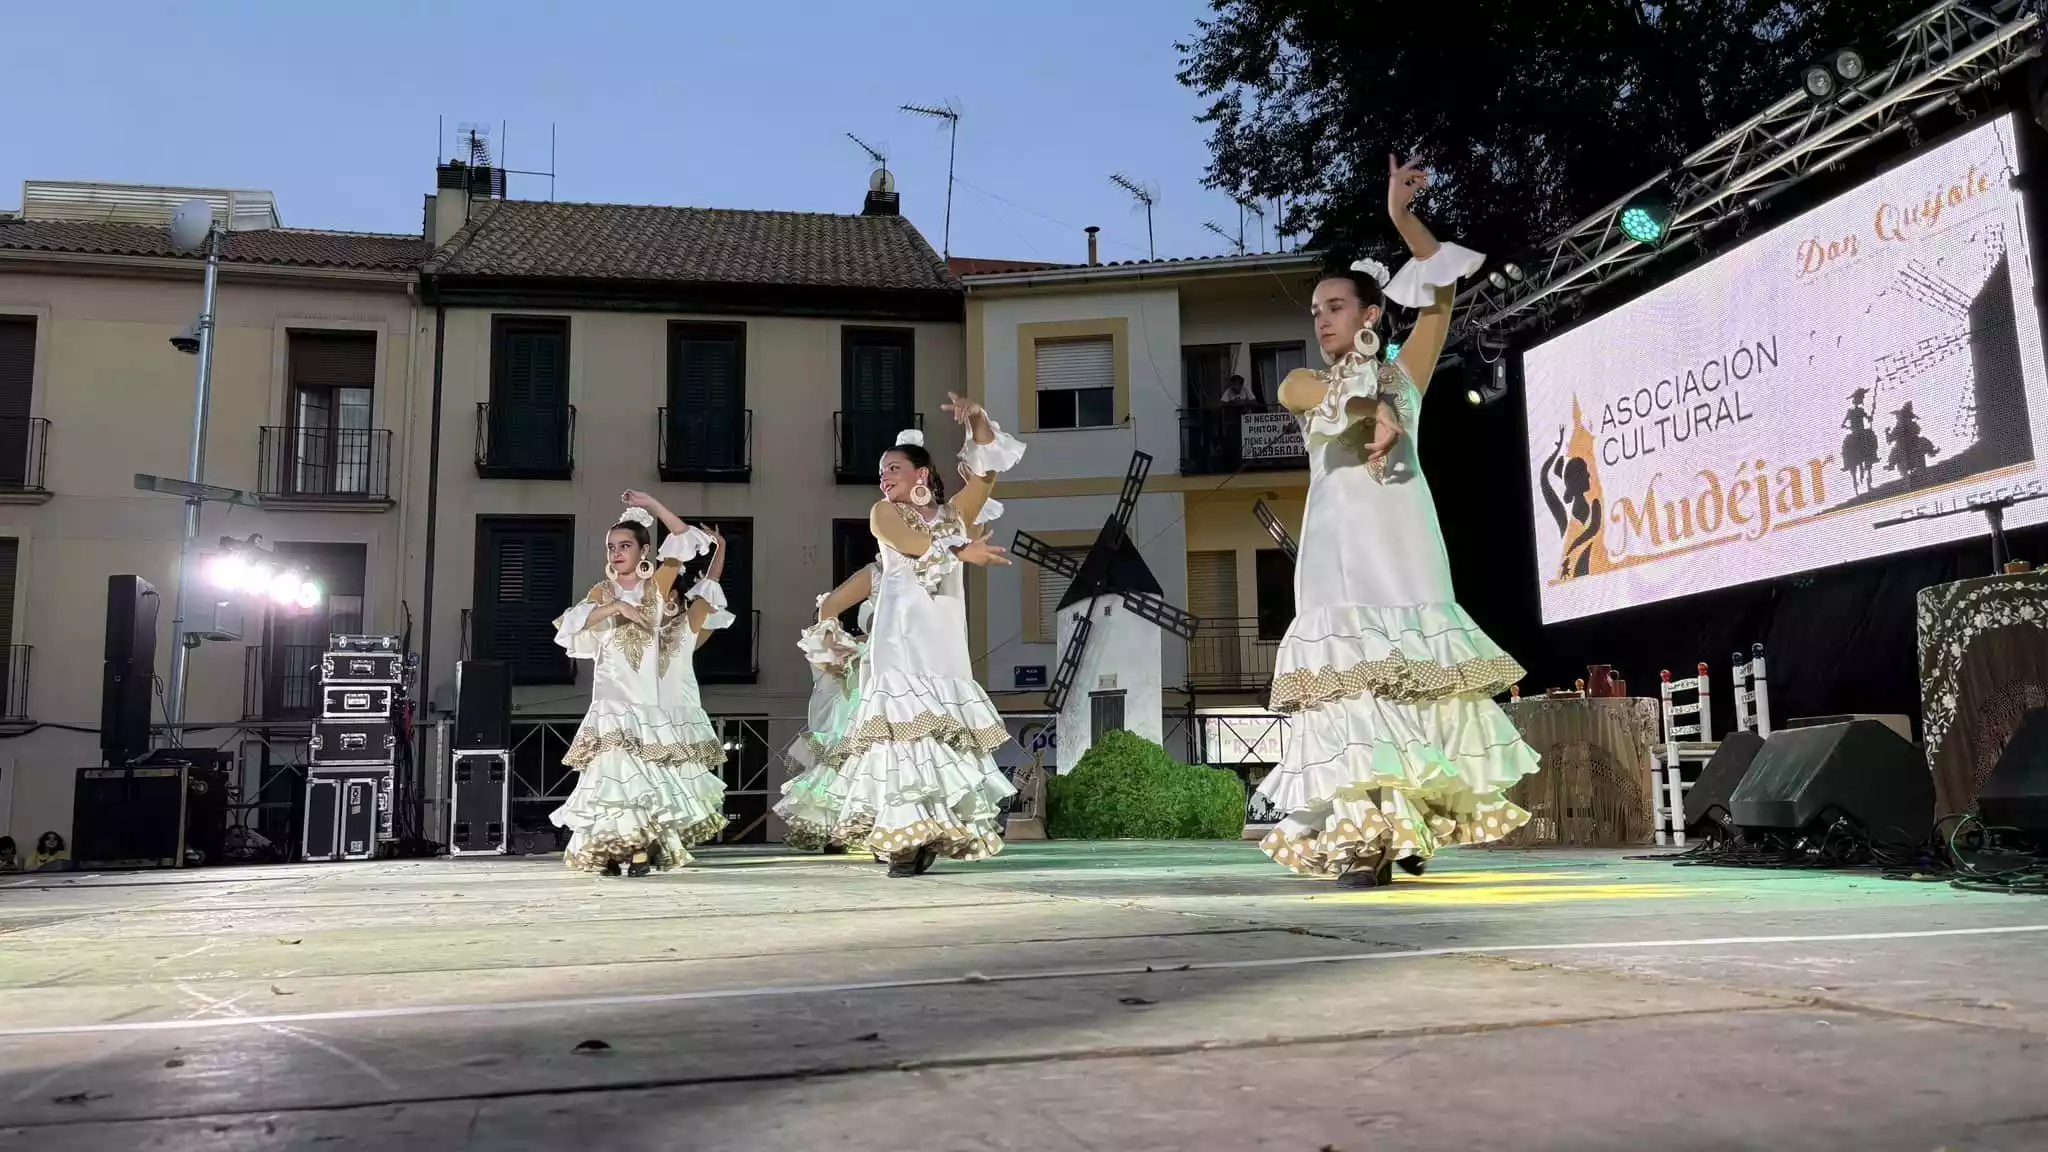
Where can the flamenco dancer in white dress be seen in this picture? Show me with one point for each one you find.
(1397, 744)
(811, 800)
(647, 757)
(917, 780)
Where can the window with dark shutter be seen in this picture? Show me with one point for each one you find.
(878, 391)
(732, 654)
(707, 396)
(529, 418)
(17, 388)
(524, 580)
(853, 548)
(12, 682)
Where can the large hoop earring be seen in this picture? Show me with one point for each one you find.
(645, 568)
(1367, 342)
(921, 496)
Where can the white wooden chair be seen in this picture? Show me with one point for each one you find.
(1688, 740)
(1752, 693)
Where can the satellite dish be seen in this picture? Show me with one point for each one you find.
(190, 223)
(881, 181)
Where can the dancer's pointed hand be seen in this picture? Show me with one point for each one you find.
(1403, 182)
(980, 551)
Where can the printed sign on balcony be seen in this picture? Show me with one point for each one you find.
(1270, 436)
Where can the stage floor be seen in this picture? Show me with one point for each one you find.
(1062, 996)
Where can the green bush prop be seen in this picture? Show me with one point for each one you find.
(1127, 787)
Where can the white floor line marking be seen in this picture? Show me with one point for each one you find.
(1135, 968)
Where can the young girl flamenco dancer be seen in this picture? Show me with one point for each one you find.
(647, 757)
(916, 779)
(1397, 744)
(811, 800)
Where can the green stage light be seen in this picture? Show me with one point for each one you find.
(1646, 221)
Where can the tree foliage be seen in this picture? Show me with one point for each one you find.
(1532, 114)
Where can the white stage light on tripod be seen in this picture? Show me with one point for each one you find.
(309, 594)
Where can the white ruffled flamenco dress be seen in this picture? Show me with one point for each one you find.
(917, 768)
(1396, 745)
(647, 757)
(811, 799)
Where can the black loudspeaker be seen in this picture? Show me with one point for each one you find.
(169, 810)
(1706, 802)
(2015, 795)
(483, 706)
(1861, 770)
(125, 685)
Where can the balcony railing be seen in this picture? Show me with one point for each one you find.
(732, 655)
(860, 438)
(713, 445)
(1231, 656)
(281, 681)
(518, 442)
(1219, 441)
(14, 682)
(337, 465)
(24, 442)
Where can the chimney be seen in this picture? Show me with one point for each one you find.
(1094, 257)
(882, 199)
(457, 186)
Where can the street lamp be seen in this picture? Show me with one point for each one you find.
(192, 225)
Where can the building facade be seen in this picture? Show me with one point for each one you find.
(748, 368)
(1180, 360)
(312, 402)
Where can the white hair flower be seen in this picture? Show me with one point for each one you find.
(910, 436)
(1374, 269)
(640, 516)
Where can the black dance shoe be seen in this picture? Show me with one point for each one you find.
(611, 868)
(926, 857)
(1413, 865)
(834, 850)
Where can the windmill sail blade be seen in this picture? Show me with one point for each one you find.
(1276, 529)
(1173, 618)
(1134, 483)
(1045, 555)
(1070, 665)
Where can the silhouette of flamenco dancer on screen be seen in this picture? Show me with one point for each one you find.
(1579, 510)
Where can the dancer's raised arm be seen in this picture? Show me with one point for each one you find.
(1429, 281)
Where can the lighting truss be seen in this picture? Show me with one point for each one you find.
(1931, 62)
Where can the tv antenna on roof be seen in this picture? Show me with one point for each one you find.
(881, 160)
(473, 147)
(1145, 196)
(1256, 209)
(1236, 241)
(949, 113)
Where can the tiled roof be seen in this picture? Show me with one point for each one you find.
(983, 266)
(546, 240)
(283, 247)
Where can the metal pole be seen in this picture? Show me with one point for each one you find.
(174, 690)
(952, 146)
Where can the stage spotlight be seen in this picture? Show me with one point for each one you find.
(1818, 81)
(309, 594)
(1647, 221)
(1489, 381)
(225, 571)
(1848, 64)
(1513, 270)
(1499, 281)
(284, 587)
(256, 579)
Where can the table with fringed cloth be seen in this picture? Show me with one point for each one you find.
(1983, 666)
(1595, 788)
